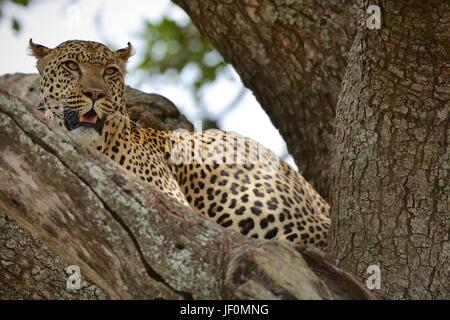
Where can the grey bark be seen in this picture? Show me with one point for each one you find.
(28, 269)
(391, 199)
(130, 240)
(292, 55)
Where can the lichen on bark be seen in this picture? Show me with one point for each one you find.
(391, 199)
(30, 270)
(128, 238)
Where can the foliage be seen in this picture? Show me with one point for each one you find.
(15, 23)
(171, 46)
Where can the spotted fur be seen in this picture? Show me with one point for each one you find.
(230, 179)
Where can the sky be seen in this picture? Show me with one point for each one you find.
(115, 22)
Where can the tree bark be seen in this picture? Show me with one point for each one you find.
(130, 240)
(28, 269)
(292, 55)
(391, 199)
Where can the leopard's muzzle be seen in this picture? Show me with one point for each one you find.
(90, 119)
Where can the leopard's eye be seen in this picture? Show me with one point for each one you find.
(72, 65)
(111, 71)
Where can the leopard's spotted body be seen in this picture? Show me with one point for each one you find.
(228, 178)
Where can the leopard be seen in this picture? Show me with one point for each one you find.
(228, 178)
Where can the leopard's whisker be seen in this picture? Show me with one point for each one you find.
(116, 113)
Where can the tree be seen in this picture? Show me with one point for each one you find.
(391, 148)
(139, 243)
(387, 164)
(391, 198)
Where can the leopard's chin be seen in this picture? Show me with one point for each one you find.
(85, 135)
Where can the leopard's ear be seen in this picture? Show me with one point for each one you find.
(125, 53)
(39, 51)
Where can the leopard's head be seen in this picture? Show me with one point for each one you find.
(82, 85)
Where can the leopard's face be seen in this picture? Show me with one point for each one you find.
(82, 85)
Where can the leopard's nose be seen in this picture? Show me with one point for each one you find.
(94, 95)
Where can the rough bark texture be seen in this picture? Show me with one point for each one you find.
(28, 269)
(391, 165)
(128, 239)
(292, 55)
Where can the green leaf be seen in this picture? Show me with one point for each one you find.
(15, 25)
(21, 2)
(170, 47)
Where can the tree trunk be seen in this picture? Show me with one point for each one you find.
(391, 199)
(130, 240)
(292, 55)
(29, 270)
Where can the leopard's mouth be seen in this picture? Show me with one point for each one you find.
(90, 119)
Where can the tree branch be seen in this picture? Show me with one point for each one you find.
(130, 239)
